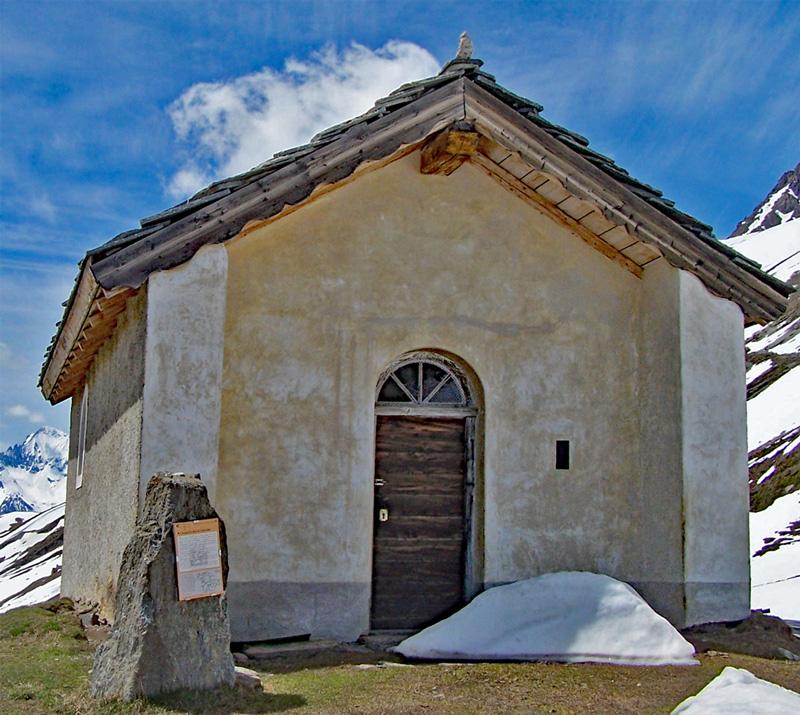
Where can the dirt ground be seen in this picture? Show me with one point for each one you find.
(45, 662)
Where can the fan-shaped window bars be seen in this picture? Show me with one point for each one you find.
(422, 382)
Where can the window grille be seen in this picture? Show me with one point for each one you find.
(422, 382)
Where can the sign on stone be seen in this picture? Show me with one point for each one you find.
(199, 562)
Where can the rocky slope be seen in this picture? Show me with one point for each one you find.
(773, 372)
(771, 236)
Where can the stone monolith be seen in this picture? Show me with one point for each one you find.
(158, 643)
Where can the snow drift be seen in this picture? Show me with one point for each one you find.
(736, 691)
(571, 617)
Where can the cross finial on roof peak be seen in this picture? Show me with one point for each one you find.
(464, 47)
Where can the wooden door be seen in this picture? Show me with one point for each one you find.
(418, 551)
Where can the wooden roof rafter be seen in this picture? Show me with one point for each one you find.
(621, 206)
(98, 324)
(513, 184)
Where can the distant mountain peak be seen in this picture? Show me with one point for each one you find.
(33, 472)
(782, 204)
(14, 502)
(47, 446)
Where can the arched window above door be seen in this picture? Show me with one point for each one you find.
(422, 381)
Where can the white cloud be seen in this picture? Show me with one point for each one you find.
(42, 207)
(22, 412)
(233, 125)
(188, 181)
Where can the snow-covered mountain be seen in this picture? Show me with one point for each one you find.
(781, 205)
(33, 473)
(771, 236)
(773, 372)
(30, 557)
(33, 483)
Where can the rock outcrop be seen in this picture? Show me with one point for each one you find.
(782, 204)
(159, 644)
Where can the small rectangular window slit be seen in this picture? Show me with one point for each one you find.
(562, 454)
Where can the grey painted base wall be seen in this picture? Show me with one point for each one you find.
(710, 601)
(691, 603)
(261, 610)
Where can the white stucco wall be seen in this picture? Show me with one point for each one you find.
(183, 368)
(714, 454)
(261, 359)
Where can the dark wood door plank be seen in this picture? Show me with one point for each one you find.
(418, 556)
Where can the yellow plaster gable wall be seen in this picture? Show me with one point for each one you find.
(321, 301)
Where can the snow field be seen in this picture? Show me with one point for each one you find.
(16, 578)
(777, 249)
(775, 410)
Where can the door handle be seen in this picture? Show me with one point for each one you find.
(380, 482)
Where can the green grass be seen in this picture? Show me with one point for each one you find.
(45, 663)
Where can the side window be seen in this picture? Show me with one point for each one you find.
(82, 420)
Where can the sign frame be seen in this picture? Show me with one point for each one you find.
(198, 559)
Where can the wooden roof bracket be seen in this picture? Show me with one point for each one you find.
(70, 329)
(444, 152)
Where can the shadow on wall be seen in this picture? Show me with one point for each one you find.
(116, 376)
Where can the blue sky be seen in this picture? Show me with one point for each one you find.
(111, 111)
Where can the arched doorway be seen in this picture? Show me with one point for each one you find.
(424, 477)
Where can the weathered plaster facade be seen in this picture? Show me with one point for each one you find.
(565, 345)
(101, 514)
(261, 364)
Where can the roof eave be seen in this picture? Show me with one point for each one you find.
(103, 274)
(757, 298)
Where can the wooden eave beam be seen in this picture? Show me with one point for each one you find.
(100, 320)
(680, 247)
(444, 152)
(70, 330)
(513, 184)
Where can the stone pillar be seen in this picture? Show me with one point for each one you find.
(159, 644)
